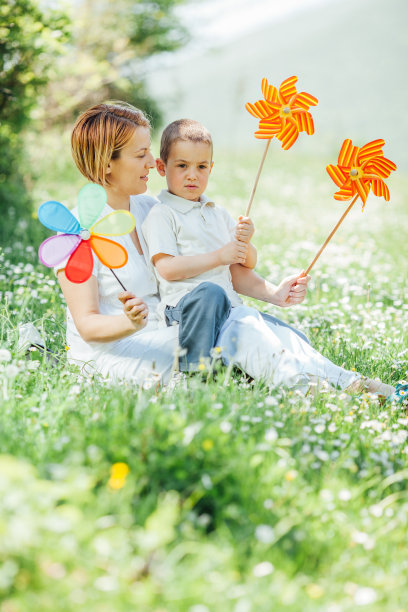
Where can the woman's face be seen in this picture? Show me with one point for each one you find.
(128, 174)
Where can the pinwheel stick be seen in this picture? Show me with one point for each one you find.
(257, 178)
(119, 281)
(330, 236)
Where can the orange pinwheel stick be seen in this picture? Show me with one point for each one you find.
(283, 113)
(358, 170)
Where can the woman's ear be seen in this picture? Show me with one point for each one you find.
(161, 167)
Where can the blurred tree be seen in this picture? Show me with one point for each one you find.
(106, 58)
(29, 41)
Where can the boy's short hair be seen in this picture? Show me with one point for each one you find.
(187, 130)
(99, 135)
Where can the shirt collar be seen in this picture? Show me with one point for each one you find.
(182, 205)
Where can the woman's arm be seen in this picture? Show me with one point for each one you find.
(83, 303)
(292, 290)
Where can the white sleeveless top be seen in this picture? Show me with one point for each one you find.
(136, 275)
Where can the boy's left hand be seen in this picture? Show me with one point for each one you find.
(245, 229)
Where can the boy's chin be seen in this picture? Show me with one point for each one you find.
(193, 197)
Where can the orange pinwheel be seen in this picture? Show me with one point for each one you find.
(359, 169)
(283, 113)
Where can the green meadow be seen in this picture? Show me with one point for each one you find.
(220, 495)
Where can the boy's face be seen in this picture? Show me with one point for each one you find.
(188, 169)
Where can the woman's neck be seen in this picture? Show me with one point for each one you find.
(117, 200)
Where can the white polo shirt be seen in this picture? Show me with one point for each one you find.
(177, 226)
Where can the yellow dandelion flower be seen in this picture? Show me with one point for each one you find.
(116, 483)
(119, 470)
(118, 474)
(291, 475)
(207, 444)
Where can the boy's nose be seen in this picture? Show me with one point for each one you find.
(191, 174)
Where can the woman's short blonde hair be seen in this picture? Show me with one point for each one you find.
(100, 133)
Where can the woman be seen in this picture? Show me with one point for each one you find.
(123, 338)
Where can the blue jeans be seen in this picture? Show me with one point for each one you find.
(200, 314)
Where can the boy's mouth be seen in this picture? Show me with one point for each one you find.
(191, 186)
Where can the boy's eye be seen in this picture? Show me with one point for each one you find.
(202, 166)
(181, 165)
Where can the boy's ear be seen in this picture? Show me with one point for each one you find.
(211, 167)
(161, 167)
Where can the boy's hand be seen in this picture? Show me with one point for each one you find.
(233, 252)
(292, 290)
(135, 309)
(245, 229)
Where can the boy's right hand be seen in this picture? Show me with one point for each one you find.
(135, 309)
(233, 252)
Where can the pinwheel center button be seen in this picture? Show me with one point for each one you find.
(85, 234)
(355, 173)
(286, 110)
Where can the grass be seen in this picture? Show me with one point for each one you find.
(233, 496)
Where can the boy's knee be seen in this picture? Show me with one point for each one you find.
(213, 295)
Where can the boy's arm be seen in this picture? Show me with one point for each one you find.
(292, 290)
(179, 267)
(160, 235)
(244, 232)
(251, 258)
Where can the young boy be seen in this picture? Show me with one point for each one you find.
(192, 241)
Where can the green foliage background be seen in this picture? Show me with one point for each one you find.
(54, 64)
(29, 41)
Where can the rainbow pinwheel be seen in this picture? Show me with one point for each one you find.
(78, 239)
(283, 112)
(358, 170)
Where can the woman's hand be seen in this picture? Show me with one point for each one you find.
(245, 229)
(292, 290)
(135, 309)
